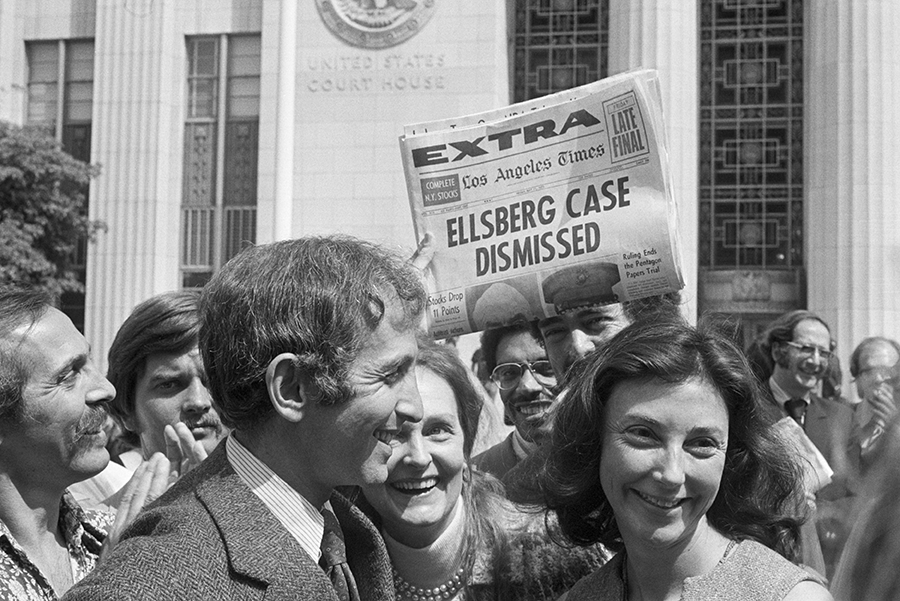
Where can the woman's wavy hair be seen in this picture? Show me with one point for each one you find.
(760, 487)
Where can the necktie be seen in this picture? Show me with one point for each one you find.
(796, 408)
(334, 559)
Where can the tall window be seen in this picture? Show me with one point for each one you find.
(751, 133)
(559, 44)
(221, 140)
(60, 99)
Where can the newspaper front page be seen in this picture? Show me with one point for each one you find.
(544, 206)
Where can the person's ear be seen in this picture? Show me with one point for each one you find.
(778, 352)
(289, 393)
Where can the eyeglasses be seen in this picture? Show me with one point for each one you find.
(508, 375)
(882, 374)
(808, 350)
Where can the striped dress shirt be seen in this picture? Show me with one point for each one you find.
(301, 519)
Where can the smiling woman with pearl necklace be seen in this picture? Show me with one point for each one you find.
(449, 530)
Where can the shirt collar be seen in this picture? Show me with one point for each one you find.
(301, 519)
(83, 544)
(780, 396)
(521, 447)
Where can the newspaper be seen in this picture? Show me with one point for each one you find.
(816, 471)
(547, 205)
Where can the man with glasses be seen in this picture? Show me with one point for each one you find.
(518, 365)
(800, 345)
(874, 365)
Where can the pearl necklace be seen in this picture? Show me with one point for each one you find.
(445, 591)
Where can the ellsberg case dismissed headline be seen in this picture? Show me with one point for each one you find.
(544, 206)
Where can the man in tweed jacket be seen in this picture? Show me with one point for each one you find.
(309, 346)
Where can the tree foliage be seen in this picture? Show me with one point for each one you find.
(43, 210)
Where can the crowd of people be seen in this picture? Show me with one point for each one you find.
(291, 432)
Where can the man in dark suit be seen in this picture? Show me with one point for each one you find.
(800, 345)
(309, 346)
(518, 365)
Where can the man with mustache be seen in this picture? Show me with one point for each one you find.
(52, 413)
(163, 401)
(800, 345)
(310, 347)
(518, 365)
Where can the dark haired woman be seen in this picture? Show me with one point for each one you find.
(658, 452)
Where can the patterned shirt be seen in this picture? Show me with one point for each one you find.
(84, 532)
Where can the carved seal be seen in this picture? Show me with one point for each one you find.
(375, 23)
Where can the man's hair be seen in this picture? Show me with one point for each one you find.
(870, 341)
(782, 329)
(319, 298)
(166, 323)
(666, 306)
(18, 306)
(760, 487)
(490, 340)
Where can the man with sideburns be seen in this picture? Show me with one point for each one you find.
(518, 365)
(52, 412)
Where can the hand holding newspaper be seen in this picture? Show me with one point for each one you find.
(544, 206)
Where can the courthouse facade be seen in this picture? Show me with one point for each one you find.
(219, 123)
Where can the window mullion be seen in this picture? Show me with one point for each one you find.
(60, 91)
(221, 122)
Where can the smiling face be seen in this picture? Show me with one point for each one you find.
(425, 471)
(527, 404)
(798, 372)
(172, 388)
(875, 368)
(349, 443)
(663, 454)
(60, 436)
(572, 335)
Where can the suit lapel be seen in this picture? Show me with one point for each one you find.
(818, 428)
(256, 543)
(366, 553)
(769, 407)
(509, 452)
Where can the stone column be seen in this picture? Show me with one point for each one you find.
(12, 92)
(137, 139)
(284, 133)
(662, 34)
(852, 166)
